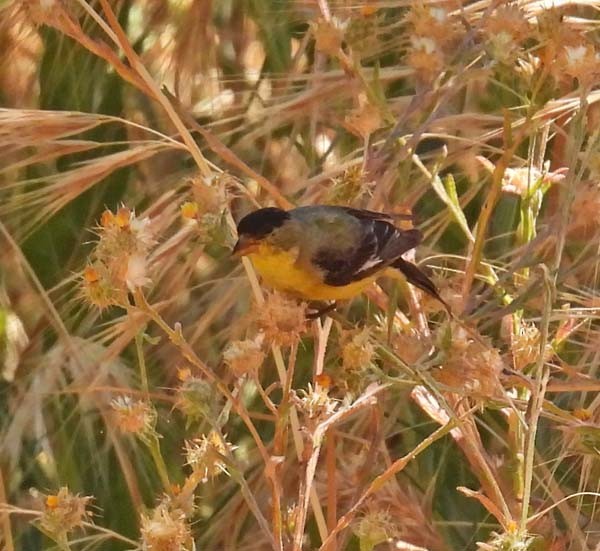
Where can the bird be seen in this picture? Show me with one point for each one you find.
(328, 252)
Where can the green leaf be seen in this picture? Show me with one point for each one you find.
(447, 193)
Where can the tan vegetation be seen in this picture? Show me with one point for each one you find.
(155, 397)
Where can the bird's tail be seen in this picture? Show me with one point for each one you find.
(417, 278)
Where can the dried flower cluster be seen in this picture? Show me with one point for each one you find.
(282, 320)
(505, 31)
(134, 417)
(469, 366)
(120, 258)
(410, 345)
(364, 119)
(329, 36)
(208, 208)
(63, 512)
(525, 346)
(374, 527)
(363, 30)
(349, 188)
(513, 541)
(565, 51)
(244, 357)
(315, 403)
(367, 420)
(358, 350)
(197, 398)
(166, 529)
(206, 455)
(433, 37)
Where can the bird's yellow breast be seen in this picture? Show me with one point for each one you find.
(282, 271)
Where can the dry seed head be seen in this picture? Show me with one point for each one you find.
(134, 417)
(358, 352)
(123, 234)
(364, 120)
(425, 57)
(98, 289)
(210, 197)
(410, 346)
(434, 23)
(208, 207)
(197, 398)
(502, 47)
(525, 346)
(282, 320)
(555, 37)
(528, 65)
(375, 527)
(580, 61)
(315, 402)
(469, 365)
(165, 530)
(349, 188)
(244, 357)
(205, 455)
(512, 540)
(63, 512)
(119, 260)
(329, 36)
(509, 20)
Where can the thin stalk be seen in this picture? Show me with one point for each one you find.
(63, 543)
(488, 208)
(139, 347)
(154, 448)
(330, 459)
(5, 518)
(536, 404)
(542, 370)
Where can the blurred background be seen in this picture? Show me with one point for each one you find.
(150, 400)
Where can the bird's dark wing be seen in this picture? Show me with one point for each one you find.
(363, 214)
(417, 278)
(379, 244)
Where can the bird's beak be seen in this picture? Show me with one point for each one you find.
(244, 246)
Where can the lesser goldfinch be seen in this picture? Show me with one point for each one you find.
(325, 252)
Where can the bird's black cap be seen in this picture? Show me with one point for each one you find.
(262, 222)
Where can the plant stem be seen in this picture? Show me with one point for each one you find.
(154, 447)
(139, 340)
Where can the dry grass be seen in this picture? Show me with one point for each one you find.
(154, 397)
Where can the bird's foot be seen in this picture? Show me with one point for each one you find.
(321, 311)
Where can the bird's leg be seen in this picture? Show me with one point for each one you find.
(321, 311)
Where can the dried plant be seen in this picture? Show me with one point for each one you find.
(145, 369)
